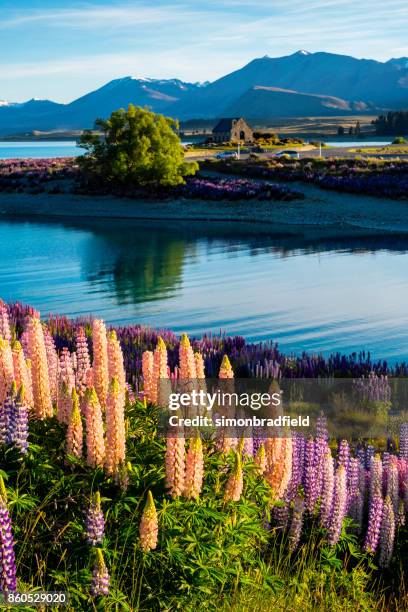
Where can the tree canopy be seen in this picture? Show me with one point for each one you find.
(136, 147)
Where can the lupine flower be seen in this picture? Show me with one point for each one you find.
(100, 361)
(64, 403)
(115, 360)
(100, 576)
(295, 529)
(226, 369)
(115, 427)
(6, 368)
(374, 523)
(235, 483)
(344, 455)
(39, 369)
(95, 522)
(404, 441)
(199, 365)
(18, 421)
(393, 486)
(310, 480)
(160, 371)
(53, 363)
(387, 533)
(260, 459)
(338, 510)
(5, 332)
(175, 464)
(95, 444)
(75, 431)
(149, 528)
(147, 372)
(194, 469)
(22, 374)
(187, 360)
(83, 362)
(376, 477)
(8, 579)
(327, 490)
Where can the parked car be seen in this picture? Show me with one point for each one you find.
(227, 155)
(288, 153)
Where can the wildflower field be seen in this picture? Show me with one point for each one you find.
(96, 503)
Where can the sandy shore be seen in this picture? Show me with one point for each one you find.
(343, 213)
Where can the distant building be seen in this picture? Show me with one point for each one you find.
(232, 130)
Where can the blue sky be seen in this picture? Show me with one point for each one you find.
(63, 49)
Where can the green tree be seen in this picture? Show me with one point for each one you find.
(135, 147)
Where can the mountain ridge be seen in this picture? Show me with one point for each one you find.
(265, 87)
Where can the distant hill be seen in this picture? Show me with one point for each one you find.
(261, 103)
(302, 84)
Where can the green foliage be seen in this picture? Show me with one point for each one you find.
(400, 140)
(137, 148)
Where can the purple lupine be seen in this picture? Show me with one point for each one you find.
(95, 522)
(393, 486)
(343, 457)
(310, 482)
(352, 480)
(295, 529)
(338, 510)
(387, 533)
(328, 490)
(321, 447)
(8, 576)
(7, 417)
(376, 477)
(374, 523)
(281, 515)
(297, 465)
(18, 422)
(100, 576)
(369, 455)
(403, 448)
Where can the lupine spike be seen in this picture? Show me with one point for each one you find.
(95, 443)
(8, 574)
(387, 533)
(115, 359)
(226, 368)
(100, 361)
(95, 522)
(234, 486)
(39, 369)
(149, 528)
(339, 506)
(100, 576)
(115, 427)
(194, 469)
(75, 431)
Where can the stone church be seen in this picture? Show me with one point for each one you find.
(232, 130)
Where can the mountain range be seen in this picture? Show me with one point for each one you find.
(301, 84)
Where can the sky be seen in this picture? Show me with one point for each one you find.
(63, 49)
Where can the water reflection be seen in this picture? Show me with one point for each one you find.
(309, 291)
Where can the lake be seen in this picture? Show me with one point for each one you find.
(68, 148)
(325, 297)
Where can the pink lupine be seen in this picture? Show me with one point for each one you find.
(22, 375)
(83, 362)
(403, 448)
(149, 528)
(387, 533)
(53, 363)
(187, 360)
(374, 523)
(6, 368)
(175, 464)
(39, 369)
(327, 490)
(199, 365)
(95, 444)
(194, 469)
(4, 322)
(225, 369)
(115, 360)
(100, 361)
(339, 506)
(100, 576)
(75, 431)
(147, 373)
(115, 427)
(235, 483)
(160, 372)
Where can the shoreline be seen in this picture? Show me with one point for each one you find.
(331, 211)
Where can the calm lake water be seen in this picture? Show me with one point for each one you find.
(68, 148)
(330, 297)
